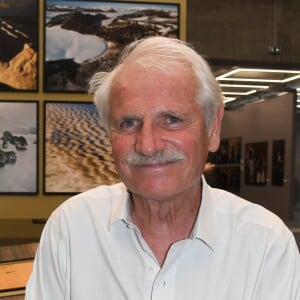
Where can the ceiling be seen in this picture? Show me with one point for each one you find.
(242, 85)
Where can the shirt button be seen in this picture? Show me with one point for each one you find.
(130, 226)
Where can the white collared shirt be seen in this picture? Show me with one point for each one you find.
(90, 250)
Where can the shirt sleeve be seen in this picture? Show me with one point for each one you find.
(50, 275)
(280, 277)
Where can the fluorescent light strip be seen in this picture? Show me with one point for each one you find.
(261, 80)
(245, 86)
(228, 99)
(290, 79)
(239, 93)
(226, 75)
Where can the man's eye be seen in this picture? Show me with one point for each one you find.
(173, 120)
(128, 124)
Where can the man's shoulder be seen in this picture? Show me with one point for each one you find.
(246, 212)
(101, 192)
(102, 197)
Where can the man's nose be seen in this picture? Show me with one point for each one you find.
(149, 140)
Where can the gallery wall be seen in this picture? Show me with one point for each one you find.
(271, 119)
(55, 89)
(239, 32)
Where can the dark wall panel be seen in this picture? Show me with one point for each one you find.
(266, 121)
(242, 30)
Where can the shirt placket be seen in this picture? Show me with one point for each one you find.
(163, 285)
(159, 283)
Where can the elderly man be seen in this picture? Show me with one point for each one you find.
(163, 233)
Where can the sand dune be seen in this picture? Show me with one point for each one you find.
(77, 149)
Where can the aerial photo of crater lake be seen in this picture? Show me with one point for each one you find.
(82, 37)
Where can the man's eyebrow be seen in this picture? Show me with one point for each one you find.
(129, 116)
(176, 113)
(118, 120)
(171, 111)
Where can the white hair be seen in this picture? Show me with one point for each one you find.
(165, 54)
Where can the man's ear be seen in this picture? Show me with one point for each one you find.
(215, 130)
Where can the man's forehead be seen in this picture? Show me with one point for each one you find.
(132, 69)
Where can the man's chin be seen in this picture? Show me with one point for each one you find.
(154, 191)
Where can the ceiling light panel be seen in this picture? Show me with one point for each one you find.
(259, 75)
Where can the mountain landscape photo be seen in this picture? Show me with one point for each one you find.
(18, 44)
(83, 37)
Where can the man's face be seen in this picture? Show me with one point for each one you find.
(158, 133)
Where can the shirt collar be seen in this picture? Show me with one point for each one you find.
(121, 207)
(205, 227)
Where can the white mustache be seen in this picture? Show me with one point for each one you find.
(161, 157)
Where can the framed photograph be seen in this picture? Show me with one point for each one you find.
(221, 155)
(18, 147)
(229, 152)
(256, 163)
(19, 23)
(224, 177)
(278, 162)
(77, 149)
(82, 37)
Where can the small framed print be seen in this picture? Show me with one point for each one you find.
(77, 149)
(256, 163)
(18, 147)
(278, 162)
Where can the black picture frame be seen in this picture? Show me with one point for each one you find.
(256, 155)
(278, 160)
(223, 169)
(229, 151)
(75, 48)
(77, 152)
(19, 151)
(19, 23)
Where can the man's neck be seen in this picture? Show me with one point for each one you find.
(164, 222)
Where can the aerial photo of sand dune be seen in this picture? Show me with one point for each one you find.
(77, 149)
